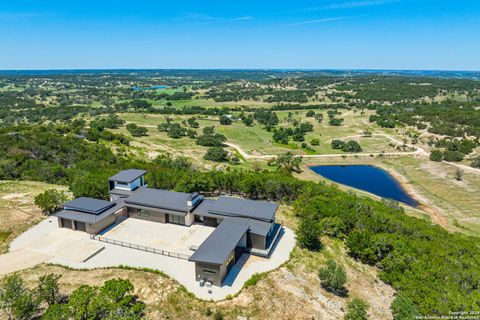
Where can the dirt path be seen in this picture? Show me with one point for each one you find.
(333, 155)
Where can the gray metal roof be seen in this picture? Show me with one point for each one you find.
(254, 209)
(221, 242)
(161, 199)
(88, 217)
(203, 208)
(127, 176)
(88, 205)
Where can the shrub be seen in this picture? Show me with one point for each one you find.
(453, 156)
(356, 310)
(225, 120)
(50, 200)
(403, 308)
(136, 130)
(436, 155)
(475, 163)
(333, 277)
(337, 144)
(308, 234)
(315, 142)
(217, 154)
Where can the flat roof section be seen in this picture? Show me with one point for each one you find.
(88, 205)
(161, 199)
(88, 217)
(218, 246)
(254, 209)
(127, 176)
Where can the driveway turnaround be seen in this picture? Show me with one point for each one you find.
(46, 242)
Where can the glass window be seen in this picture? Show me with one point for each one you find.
(208, 271)
(172, 218)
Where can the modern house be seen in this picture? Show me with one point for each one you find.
(241, 225)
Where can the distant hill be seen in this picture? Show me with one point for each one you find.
(250, 74)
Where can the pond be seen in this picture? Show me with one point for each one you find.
(367, 178)
(149, 88)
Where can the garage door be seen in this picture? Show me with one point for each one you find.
(67, 223)
(80, 226)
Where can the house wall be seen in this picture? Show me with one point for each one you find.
(257, 241)
(100, 225)
(189, 219)
(215, 279)
(148, 215)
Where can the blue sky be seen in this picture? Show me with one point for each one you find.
(365, 34)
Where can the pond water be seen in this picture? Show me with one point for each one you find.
(368, 178)
(149, 88)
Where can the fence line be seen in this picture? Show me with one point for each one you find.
(139, 247)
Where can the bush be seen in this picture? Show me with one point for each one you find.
(333, 277)
(217, 154)
(211, 140)
(136, 130)
(356, 310)
(308, 234)
(225, 120)
(475, 163)
(17, 301)
(403, 308)
(337, 144)
(315, 142)
(50, 200)
(453, 156)
(436, 155)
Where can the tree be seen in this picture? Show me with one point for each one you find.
(337, 144)
(356, 310)
(136, 130)
(217, 154)
(335, 122)
(209, 130)
(308, 234)
(288, 162)
(403, 307)
(140, 104)
(352, 146)
(81, 303)
(48, 289)
(310, 113)
(459, 174)
(333, 277)
(115, 301)
(192, 122)
(436, 155)
(92, 184)
(211, 140)
(247, 120)
(225, 120)
(50, 200)
(453, 156)
(17, 301)
(176, 131)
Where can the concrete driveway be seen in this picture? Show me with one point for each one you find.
(45, 242)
